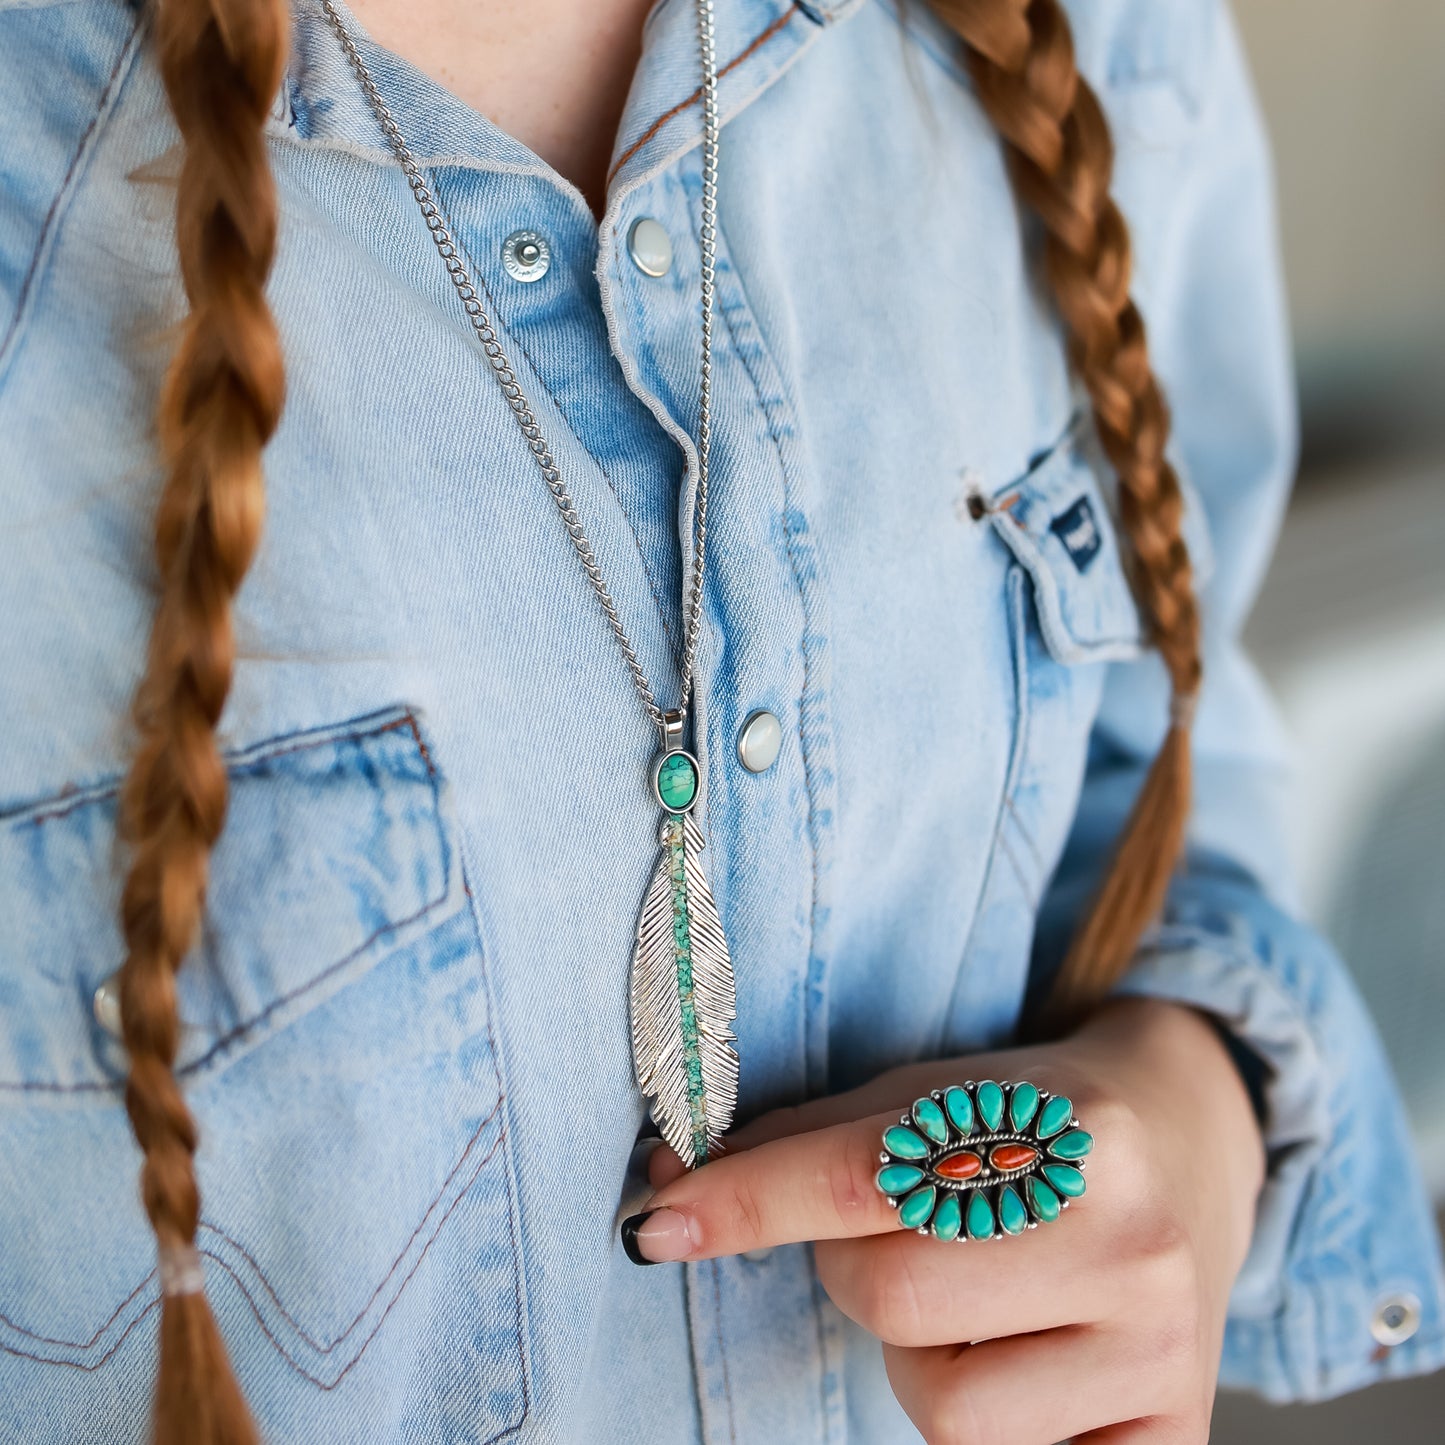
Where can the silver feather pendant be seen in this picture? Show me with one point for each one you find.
(683, 996)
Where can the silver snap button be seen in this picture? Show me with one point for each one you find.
(1396, 1318)
(105, 1004)
(759, 742)
(650, 247)
(526, 255)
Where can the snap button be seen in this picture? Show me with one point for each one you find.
(650, 247)
(1396, 1318)
(759, 741)
(526, 255)
(105, 1004)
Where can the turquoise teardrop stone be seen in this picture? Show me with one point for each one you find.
(1011, 1212)
(1022, 1106)
(914, 1210)
(897, 1179)
(948, 1218)
(960, 1110)
(990, 1104)
(980, 1217)
(1043, 1201)
(904, 1143)
(1067, 1180)
(1055, 1114)
(1074, 1145)
(930, 1120)
(677, 782)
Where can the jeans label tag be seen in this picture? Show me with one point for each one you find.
(1078, 530)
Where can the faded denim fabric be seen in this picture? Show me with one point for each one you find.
(406, 1035)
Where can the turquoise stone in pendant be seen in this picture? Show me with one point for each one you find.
(960, 1110)
(676, 781)
(1011, 1212)
(1054, 1116)
(1066, 1179)
(904, 1143)
(990, 1104)
(1074, 1145)
(948, 1218)
(1043, 1201)
(980, 1217)
(896, 1179)
(914, 1211)
(1022, 1105)
(929, 1118)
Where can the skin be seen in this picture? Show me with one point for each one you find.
(1119, 1305)
(554, 74)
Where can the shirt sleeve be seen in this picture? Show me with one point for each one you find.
(1342, 1285)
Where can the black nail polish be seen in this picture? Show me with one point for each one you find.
(628, 1231)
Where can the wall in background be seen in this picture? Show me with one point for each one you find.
(1354, 94)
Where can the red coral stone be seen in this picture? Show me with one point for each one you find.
(958, 1166)
(1012, 1156)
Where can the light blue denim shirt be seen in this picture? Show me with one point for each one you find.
(406, 1034)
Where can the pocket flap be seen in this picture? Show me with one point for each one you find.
(1059, 522)
(333, 843)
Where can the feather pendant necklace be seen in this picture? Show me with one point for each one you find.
(682, 994)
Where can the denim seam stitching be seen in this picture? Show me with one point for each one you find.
(513, 1195)
(49, 227)
(278, 1346)
(722, 1348)
(258, 1019)
(757, 43)
(1017, 627)
(805, 603)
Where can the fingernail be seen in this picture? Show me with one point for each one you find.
(656, 1236)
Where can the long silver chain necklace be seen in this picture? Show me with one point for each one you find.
(683, 998)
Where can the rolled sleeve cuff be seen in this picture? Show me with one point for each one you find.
(1345, 1259)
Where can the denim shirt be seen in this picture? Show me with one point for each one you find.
(405, 1028)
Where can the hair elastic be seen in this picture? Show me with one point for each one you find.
(1182, 707)
(179, 1266)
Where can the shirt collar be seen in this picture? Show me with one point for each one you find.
(323, 105)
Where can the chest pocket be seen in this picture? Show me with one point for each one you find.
(337, 1054)
(1070, 608)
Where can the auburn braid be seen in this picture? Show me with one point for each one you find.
(221, 62)
(1060, 154)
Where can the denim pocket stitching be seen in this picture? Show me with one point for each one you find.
(241, 763)
(84, 146)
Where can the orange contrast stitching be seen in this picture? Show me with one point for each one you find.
(757, 42)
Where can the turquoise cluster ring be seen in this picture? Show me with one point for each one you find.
(983, 1160)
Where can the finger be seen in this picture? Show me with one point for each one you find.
(1029, 1389)
(1155, 1430)
(663, 1166)
(818, 1185)
(915, 1292)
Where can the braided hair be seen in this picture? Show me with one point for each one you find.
(221, 62)
(1060, 153)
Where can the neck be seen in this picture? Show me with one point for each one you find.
(554, 74)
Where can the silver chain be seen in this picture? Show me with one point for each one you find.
(471, 295)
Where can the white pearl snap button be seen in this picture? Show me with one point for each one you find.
(105, 1004)
(1396, 1318)
(759, 742)
(526, 255)
(650, 247)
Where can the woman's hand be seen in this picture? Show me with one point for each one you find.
(1103, 1327)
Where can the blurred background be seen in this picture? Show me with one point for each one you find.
(1350, 628)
